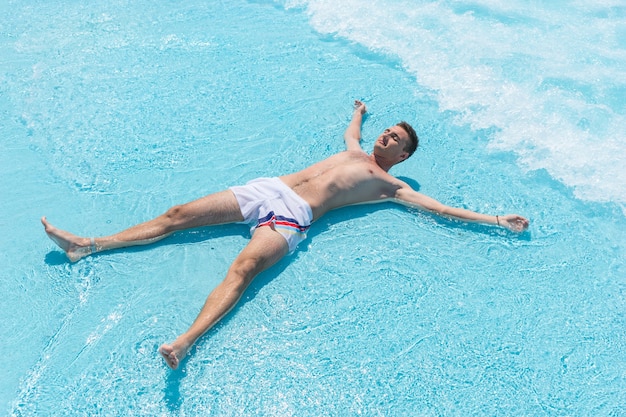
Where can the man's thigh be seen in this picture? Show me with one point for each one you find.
(266, 247)
(217, 208)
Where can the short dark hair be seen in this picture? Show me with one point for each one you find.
(413, 139)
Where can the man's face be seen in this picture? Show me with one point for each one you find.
(391, 144)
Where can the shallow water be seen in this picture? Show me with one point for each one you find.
(116, 111)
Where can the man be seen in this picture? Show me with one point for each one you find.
(280, 210)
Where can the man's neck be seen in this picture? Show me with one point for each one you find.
(383, 163)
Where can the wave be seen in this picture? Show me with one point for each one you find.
(549, 79)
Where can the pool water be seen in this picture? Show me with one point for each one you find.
(114, 111)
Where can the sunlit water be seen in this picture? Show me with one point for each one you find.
(112, 112)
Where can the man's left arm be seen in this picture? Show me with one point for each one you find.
(409, 197)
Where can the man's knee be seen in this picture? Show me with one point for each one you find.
(175, 216)
(243, 270)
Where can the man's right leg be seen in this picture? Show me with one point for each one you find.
(218, 208)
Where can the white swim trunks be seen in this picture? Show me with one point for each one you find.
(269, 202)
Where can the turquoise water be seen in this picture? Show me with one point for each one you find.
(112, 112)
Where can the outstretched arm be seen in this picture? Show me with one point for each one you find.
(352, 135)
(409, 197)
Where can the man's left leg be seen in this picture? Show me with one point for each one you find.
(266, 247)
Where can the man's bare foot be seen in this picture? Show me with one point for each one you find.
(172, 355)
(75, 247)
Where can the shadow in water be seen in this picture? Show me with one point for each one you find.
(412, 183)
(171, 392)
(56, 257)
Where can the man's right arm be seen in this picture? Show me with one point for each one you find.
(352, 135)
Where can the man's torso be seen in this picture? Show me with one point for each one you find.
(349, 177)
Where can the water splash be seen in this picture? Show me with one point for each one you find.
(547, 79)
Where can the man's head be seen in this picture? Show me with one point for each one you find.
(413, 139)
(396, 144)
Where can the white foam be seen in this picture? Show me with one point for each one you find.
(550, 79)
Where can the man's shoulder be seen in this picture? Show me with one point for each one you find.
(352, 154)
